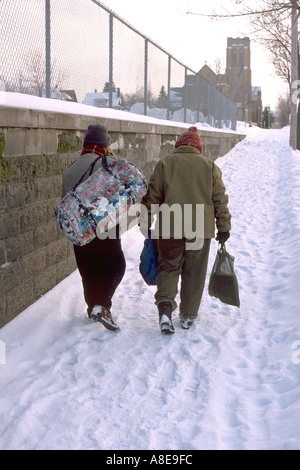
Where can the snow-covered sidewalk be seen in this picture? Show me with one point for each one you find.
(231, 382)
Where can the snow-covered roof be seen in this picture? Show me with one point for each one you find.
(101, 100)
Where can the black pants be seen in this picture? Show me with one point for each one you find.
(101, 264)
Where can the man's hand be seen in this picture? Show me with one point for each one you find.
(222, 237)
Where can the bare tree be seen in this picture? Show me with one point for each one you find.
(34, 73)
(275, 23)
(283, 109)
(138, 97)
(274, 32)
(32, 76)
(219, 65)
(246, 9)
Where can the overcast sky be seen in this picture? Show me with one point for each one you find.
(195, 39)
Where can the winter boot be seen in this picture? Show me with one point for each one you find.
(165, 317)
(102, 314)
(186, 322)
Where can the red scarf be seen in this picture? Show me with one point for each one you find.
(91, 148)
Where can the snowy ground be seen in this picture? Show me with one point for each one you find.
(231, 382)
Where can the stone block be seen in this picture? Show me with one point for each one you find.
(19, 246)
(69, 142)
(23, 142)
(33, 215)
(45, 281)
(49, 141)
(56, 252)
(27, 167)
(65, 268)
(45, 235)
(3, 204)
(57, 164)
(11, 274)
(20, 194)
(35, 263)
(51, 205)
(2, 253)
(47, 187)
(19, 298)
(153, 144)
(10, 223)
(2, 310)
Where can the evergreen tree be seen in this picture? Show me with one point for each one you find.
(162, 98)
(106, 87)
(267, 118)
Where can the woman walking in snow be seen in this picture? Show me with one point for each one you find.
(184, 178)
(101, 263)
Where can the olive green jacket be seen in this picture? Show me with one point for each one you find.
(182, 181)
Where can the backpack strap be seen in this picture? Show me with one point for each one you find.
(89, 170)
(80, 203)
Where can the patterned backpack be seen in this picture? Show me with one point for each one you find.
(101, 201)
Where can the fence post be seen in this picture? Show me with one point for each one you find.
(169, 87)
(197, 78)
(185, 94)
(234, 118)
(208, 105)
(111, 38)
(294, 74)
(146, 77)
(48, 48)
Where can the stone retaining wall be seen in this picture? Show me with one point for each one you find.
(35, 148)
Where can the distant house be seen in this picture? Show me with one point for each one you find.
(219, 81)
(63, 95)
(101, 100)
(176, 98)
(70, 95)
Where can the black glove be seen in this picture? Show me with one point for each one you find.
(222, 237)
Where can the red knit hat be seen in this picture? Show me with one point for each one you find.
(191, 138)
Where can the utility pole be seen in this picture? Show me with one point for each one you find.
(294, 75)
(48, 48)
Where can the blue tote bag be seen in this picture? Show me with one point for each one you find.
(148, 261)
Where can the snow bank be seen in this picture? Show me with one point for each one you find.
(20, 100)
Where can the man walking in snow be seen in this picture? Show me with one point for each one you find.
(184, 179)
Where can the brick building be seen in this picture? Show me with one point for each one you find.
(236, 83)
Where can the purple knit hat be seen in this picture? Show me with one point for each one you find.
(97, 135)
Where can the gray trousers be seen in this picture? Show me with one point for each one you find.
(174, 260)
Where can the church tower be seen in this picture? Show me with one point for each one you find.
(239, 62)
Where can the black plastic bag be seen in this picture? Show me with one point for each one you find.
(148, 261)
(223, 283)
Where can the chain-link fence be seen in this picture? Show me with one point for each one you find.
(81, 51)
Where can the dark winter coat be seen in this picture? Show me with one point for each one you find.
(73, 174)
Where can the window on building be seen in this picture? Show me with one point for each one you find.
(234, 56)
(241, 56)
